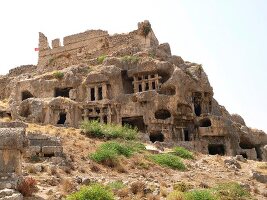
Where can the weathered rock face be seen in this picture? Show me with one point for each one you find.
(12, 144)
(129, 79)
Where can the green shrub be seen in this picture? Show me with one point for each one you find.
(202, 194)
(58, 74)
(110, 151)
(183, 153)
(100, 59)
(110, 131)
(231, 191)
(130, 59)
(168, 160)
(93, 192)
(176, 195)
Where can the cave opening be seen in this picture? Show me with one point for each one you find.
(62, 92)
(162, 114)
(216, 149)
(136, 121)
(62, 118)
(156, 136)
(26, 95)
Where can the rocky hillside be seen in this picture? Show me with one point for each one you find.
(137, 176)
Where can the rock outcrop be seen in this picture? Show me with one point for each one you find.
(128, 79)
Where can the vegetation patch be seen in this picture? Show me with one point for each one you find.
(93, 192)
(183, 153)
(109, 152)
(201, 194)
(101, 59)
(168, 160)
(109, 131)
(232, 191)
(58, 74)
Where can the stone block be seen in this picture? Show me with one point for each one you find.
(57, 150)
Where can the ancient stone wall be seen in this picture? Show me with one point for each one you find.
(12, 144)
(89, 44)
(23, 69)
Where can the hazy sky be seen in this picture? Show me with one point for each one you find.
(228, 37)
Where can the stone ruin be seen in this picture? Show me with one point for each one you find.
(12, 144)
(127, 79)
(42, 145)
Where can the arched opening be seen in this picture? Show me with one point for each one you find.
(26, 95)
(156, 136)
(216, 149)
(205, 122)
(170, 90)
(62, 92)
(162, 114)
(62, 118)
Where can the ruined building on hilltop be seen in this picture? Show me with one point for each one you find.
(127, 79)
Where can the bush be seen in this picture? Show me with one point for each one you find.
(100, 59)
(58, 74)
(231, 191)
(130, 59)
(183, 153)
(168, 160)
(95, 129)
(93, 192)
(27, 186)
(108, 153)
(200, 195)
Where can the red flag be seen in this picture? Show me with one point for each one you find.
(36, 49)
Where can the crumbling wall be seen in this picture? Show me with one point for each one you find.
(23, 69)
(12, 144)
(89, 44)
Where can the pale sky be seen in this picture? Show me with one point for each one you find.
(228, 37)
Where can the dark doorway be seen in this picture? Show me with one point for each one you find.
(62, 92)
(186, 135)
(100, 95)
(197, 108)
(205, 122)
(137, 122)
(156, 136)
(62, 118)
(26, 95)
(216, 149)
(162, 114)
(244, 155)
(127, 83)
(92, 94)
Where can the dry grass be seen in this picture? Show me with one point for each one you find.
(67, 185)
(262, 167)
(138, 187)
